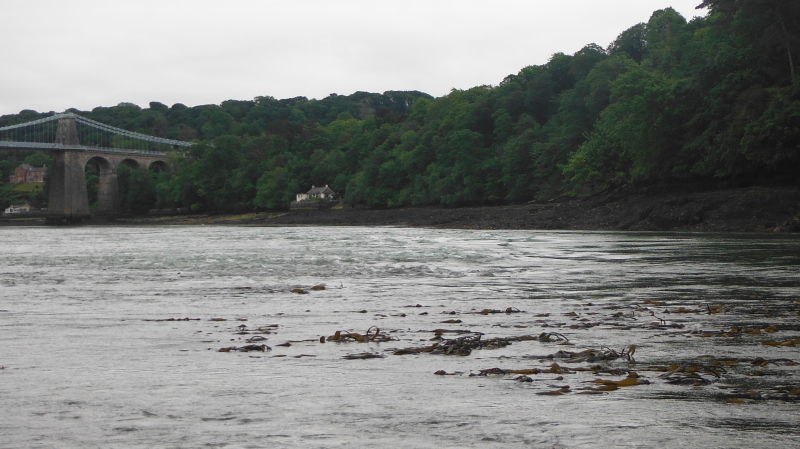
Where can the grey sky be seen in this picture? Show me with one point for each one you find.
(59, 54)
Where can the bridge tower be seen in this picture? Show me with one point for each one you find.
(68, 196)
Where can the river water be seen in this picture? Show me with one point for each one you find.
(92, 353)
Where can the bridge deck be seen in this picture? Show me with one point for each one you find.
(61, 147)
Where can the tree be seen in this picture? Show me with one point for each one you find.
(770, 27)
(631, 43)
(38, 159)
(275, 189)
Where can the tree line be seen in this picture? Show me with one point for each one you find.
(714, 98)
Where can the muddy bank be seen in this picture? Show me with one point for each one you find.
(757, 209)
(653, 208)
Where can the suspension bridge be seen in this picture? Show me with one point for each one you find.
(73, 142)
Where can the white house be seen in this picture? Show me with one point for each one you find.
(17, 209)
(317, 193)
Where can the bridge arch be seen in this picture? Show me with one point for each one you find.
(160, 167)
(133, 164)
(107, 185)
(99, 164)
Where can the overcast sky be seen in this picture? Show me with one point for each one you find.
(59, 54)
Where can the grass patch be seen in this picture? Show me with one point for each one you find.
(28, 187)
(250, 216)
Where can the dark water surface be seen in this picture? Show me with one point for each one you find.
(89, 359)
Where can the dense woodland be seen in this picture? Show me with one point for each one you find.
(715, 98)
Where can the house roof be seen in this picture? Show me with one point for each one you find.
(314, 190)
(31, 168)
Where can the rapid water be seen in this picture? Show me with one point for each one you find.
(90, 358)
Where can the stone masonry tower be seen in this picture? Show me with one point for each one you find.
(68, 197)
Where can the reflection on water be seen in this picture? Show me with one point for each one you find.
(93, 354)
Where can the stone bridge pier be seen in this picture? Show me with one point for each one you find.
(69, 197)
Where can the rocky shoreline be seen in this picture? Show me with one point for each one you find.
(652, 208)
(655, 208)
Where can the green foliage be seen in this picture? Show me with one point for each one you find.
(273, 189)
(7, 196)
(631, 43)
(38, 159)
(773, 139)
(93, 182)
(632, 135)
(6, 170)
(141, 194)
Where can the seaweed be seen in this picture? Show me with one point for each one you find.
(247, 348)
(508, 310)
(343, 337)
(362, 356)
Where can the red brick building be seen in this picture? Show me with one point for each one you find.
(27, 173)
